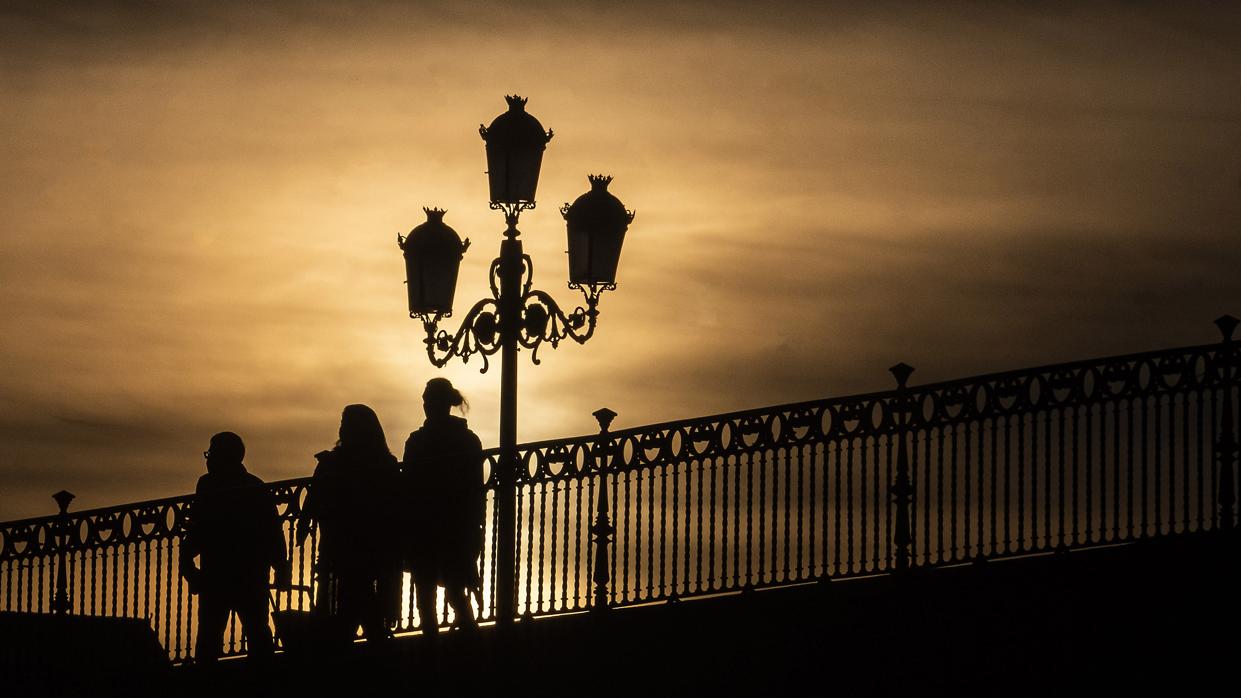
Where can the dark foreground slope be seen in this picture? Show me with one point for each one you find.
(1153, 617)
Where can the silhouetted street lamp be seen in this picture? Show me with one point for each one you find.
(516, 315)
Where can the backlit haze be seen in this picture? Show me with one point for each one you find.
(201, 201)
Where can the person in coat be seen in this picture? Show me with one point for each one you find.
(233, 529)
(352, 498)
(443, 469)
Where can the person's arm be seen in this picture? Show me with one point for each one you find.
(281, 564)
(311, 508)
(190, 547)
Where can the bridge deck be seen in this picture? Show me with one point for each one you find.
(1157, 613)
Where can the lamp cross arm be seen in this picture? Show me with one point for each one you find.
(479, 333)
(543, 319)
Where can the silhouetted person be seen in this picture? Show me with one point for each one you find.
(235, 531)
(443, 468)
(353, 497)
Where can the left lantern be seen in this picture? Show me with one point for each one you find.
(433, 253)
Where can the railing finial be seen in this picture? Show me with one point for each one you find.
(1227, 324)
(60, 604)
(602, 528)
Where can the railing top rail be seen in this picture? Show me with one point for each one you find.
(720, 417)
(877, 395)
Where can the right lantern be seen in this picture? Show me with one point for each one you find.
(597, 222)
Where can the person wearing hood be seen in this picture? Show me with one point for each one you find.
(443, 469)
(233, 527)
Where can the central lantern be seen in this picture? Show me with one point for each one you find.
(515, 144)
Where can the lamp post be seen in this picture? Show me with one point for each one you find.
(517, 314)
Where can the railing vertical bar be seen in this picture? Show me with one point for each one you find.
(1186, 521)
(980, 433)
(590, 508)
(878, 511)
(552, 512)
(968, 486)
(712, 584)
(1022, 543)
(724, 525)
(1171, 460)
(1129, 471)
(788, 513)
(519, 491)
(1212, 462)
(697, 465)
(662, 589)
(621, 521)
(1037, 419)
(676, 529)
(1061, 527)
(565, 604)
(954, 552)
(864, 492)
(937, 434)
(1007, 490)
(578, 602)
(836, 491)
(688, 465)
(114, 567)
(79, 564)
(889, 511)
(531, 577)
(812, 506)
(1074, 496)
(763, 528)
(650, 533)
(849, 507)
(995, 477)
(1089, 472)
(1158, 466)
(541, 579)
(1117, 493)
(920, 471)
(166, 557)
(804, 506)
(1200, 470)
(749, 519)
(1144, 436)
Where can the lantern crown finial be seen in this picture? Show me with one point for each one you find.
(516, 103)
(599, 182)
(435, 213)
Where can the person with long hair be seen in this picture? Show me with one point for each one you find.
(443, 469)
(353, 499)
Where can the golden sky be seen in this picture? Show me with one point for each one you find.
(201, 202)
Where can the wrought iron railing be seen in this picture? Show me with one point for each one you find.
(1038, 460)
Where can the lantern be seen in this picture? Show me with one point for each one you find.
(597, 222)
(433, 254)
(515, 143)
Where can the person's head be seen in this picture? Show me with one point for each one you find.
(440, 397)
(360, 430)
(226, 449)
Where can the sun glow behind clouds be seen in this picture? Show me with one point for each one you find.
(201, 210)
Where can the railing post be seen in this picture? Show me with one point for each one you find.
(602, 528)
(1226, 445)
(902, 488)
(60, 604)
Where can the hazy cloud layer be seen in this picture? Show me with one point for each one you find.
(201, 202)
